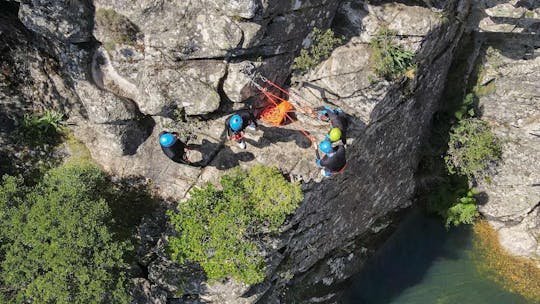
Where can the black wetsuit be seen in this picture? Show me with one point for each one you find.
(336, 162)
(339, 121)
(176, 152)
(247, 119)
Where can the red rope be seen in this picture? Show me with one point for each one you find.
(303, 108)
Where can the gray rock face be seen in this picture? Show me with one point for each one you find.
(511, 105)
(69, 21)
(155, 58)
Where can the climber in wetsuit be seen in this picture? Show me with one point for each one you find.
(339, 122)
(334, 161)
(173, 147)
(237, 123)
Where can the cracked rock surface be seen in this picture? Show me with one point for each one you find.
(511, 105)
(125, 70)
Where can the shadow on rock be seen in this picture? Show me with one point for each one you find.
(130, 199)
(275, 135)
(228, 159)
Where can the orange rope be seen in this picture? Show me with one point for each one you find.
(276, 114)
(280, 111)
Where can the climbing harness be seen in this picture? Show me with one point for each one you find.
(238, 137)
(340, 170)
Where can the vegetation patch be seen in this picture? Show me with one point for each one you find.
(390, 60)
(41, 128)
(33, 147)
(454, 202)
(472, 148)
(461, 149)
(221, 228)
(78, 152)
(56, 238)
(516, 274)
(322, 45)
(119, 29)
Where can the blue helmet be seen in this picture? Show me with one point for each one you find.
(236, 122)
(166, 140)
(325, 146)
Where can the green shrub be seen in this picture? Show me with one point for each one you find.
(322, 45)
(389, 59)
(466, 108)
(42, 128)
(464, 211)
(453, 201)
(56, 244)
(472, 148)
(216, 227)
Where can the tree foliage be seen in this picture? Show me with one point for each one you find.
(322, 45)
(216, 226)
(472, 148)
(56, 244)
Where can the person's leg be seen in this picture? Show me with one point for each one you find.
(241, 143)
(325, 173)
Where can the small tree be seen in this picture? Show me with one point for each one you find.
(215, 226)
(57, 245)
(322, 45)
(472, 148)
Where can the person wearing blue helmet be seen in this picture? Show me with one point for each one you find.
(334, 160)
(173, 147)
(237, 123)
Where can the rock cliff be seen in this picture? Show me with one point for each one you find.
(125, 70)
(508, 39)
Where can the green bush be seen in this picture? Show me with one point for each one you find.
(56, 244)
(472, 148)
(464, 211)
(322, 45)
(453, 201)
(466, 108)
(217, 227)
(42, 128)
(390, 60)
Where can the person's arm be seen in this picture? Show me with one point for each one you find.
(325, 161)
(228, 128)
(317, 152)
(317, 156)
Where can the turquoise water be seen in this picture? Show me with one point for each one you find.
(423, 263)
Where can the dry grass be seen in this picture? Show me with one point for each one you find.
(516, 274)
